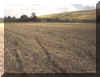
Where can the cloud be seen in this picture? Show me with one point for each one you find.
(83, 7)
(41, 7)
(1, 8)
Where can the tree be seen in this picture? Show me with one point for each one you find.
(9, 17)
(24, 18)
(14, 17)
(33, 17)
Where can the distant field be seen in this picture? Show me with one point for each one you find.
(50, 47)
(79, 15)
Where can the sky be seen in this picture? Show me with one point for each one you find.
(42, 7)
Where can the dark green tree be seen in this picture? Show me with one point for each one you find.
(24, 18)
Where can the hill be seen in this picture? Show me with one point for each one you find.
(79, 15)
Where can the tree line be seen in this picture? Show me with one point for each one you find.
(34, 18)
(23, 18)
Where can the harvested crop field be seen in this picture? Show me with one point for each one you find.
(1, 48)
(50, 47)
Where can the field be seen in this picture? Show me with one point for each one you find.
(50, 47)
(1, 48)
(78, 15)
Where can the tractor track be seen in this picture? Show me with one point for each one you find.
(56, 50)
(19, 57)
(50, 60)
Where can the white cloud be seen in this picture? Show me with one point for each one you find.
(18, 7)
(2, 8)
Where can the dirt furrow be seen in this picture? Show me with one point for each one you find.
(56, 67)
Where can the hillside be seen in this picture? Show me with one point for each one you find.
(79, 15)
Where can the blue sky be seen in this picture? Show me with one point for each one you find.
(42, 7)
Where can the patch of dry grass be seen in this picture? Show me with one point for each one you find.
(90, 14)
(50, 47)
(1, 48)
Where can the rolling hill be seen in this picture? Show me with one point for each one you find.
(79, 15)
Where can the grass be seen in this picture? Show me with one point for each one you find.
(83, 15)
(1, 48)
(50, 47)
